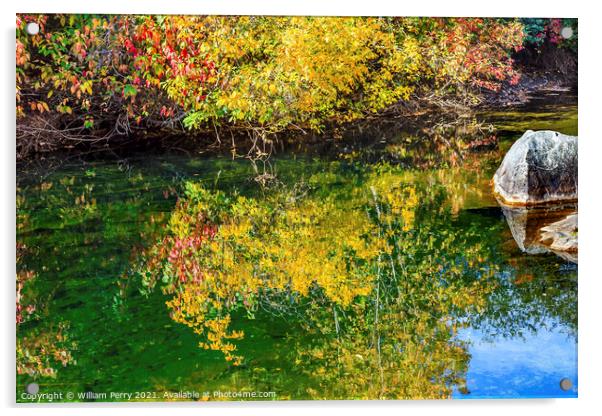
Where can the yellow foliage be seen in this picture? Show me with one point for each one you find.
(329, 253)
(282, 70)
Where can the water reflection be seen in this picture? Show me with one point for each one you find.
(409, 259)
(353, 281)
(531, 366)
(47, 345)
(538, 230)
(382, 267)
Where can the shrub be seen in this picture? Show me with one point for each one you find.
(99, 77)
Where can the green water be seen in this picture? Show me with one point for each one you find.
(83, 223)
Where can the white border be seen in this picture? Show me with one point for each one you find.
(504, 8)
(590, 152)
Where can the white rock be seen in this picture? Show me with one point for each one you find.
(540, 167)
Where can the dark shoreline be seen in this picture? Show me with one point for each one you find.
(407, 116)
(530, 84)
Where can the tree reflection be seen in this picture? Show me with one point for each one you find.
(68, 227)
(46, 347)
(371, 271)
(382, 290)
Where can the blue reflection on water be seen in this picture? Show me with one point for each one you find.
(528, 367)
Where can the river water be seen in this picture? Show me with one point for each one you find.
(86, 327)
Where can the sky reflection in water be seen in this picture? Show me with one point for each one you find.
(529, 367)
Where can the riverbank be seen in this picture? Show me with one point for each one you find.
(426, 127)
(530, 84)
(247, 83)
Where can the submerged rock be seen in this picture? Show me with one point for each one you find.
(561, 235)
(538, 230)
(540, 167)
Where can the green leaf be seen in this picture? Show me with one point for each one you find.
(129, 91)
